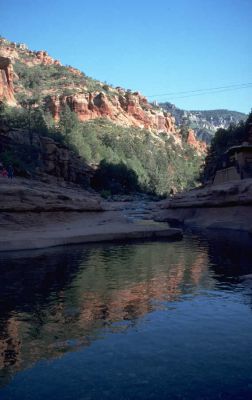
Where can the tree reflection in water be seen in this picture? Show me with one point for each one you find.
(55, 301)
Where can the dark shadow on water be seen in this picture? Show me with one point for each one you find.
(229, 252)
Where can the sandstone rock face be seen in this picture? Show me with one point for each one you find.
(36, 196)
(42, 57)
(201, 147)
(121, 106)
(236, 218)
(60, 161)
(30, 58)
(226, 206)
(53, 158)
(125, 109)
(9, 52)
(6, 81)
(224, 195)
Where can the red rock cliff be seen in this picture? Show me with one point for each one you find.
(125, 109)
(6, 81)
(43, 58)
(201, 147)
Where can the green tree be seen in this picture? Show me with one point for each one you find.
(223, 139)
(68, 124)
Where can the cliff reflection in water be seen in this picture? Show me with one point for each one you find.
(55, 301)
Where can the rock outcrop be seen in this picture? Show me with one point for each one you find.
(9, 52)
(125, 109)
(60, 161)
(89, 99)
(49, 158)
(32, 195)
(225, 195)
(42, 57)
(28, 57)
(226, 206)
(6, 81)
(200, 146)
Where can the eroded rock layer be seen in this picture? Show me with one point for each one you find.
(6, 81)
(226, 206)
(50, 158)
(125, 109)
(89, 99)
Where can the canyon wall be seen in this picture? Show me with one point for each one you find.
(6, 81)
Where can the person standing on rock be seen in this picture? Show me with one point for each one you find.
(10, 171)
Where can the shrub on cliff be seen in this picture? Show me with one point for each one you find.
(57, 77)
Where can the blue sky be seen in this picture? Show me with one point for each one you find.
(156, 47)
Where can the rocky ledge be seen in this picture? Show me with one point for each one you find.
(47, 158)
(22, 195)
(226, 206)
(35, 215)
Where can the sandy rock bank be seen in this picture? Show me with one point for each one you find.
(30, 195)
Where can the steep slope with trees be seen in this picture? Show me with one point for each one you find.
(103, 125)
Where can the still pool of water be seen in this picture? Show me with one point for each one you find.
(153, 320)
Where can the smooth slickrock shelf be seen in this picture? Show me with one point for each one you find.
(112, 232)
(36, 215)
(225, 206)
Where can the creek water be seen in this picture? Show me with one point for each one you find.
(152, 320)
